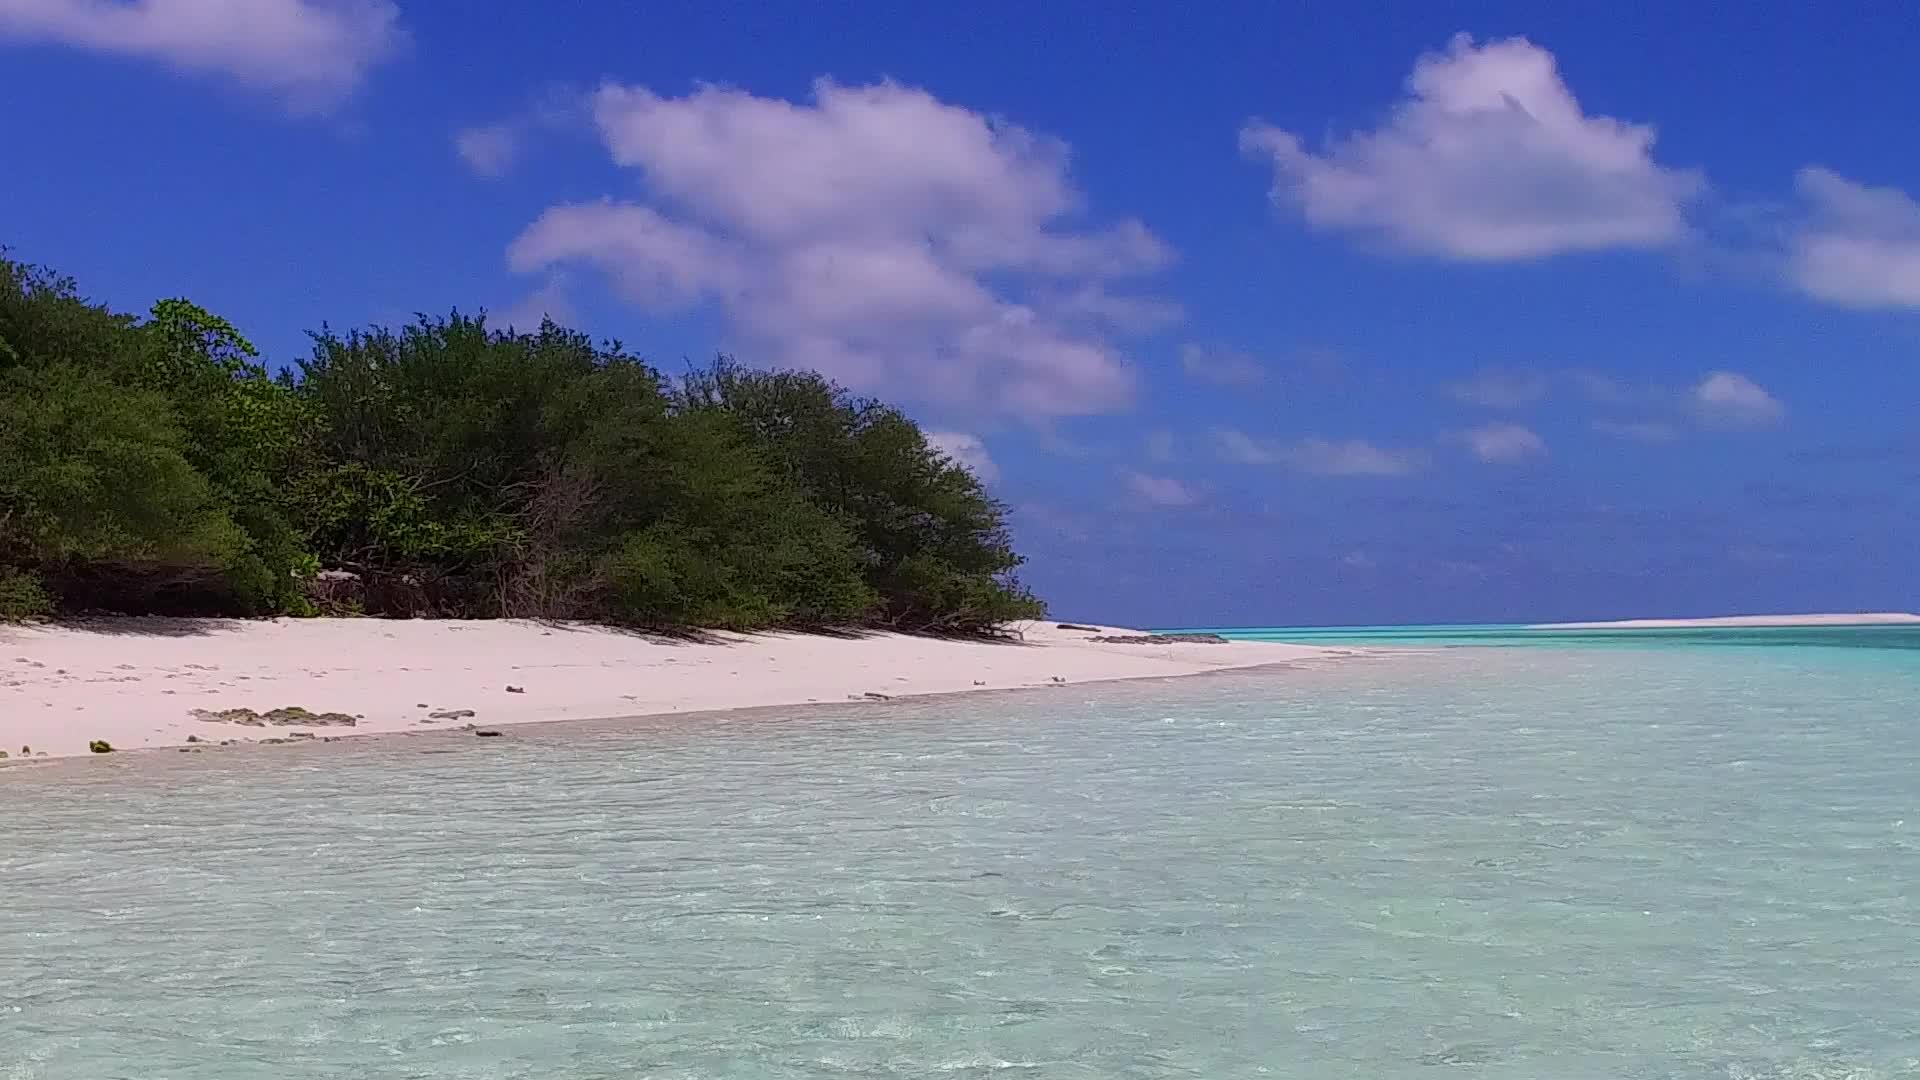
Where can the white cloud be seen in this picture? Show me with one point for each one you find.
(489, 150)
(1158, 490)
(1353, 457)
(1243, 449)
(1858, 246)
(1220, 365)
(1097, 307)
(1489, 157)
(1646, 431)
(1325, 457)
(549, 301)
(876, 234)
(1504, 444)
(1500, 388)
(314, 53)
(967, 451)
(1729, 399)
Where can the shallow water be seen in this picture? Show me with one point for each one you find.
(1553, 863)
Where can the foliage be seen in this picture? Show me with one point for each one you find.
(445, 468)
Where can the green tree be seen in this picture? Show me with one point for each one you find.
(934, 544)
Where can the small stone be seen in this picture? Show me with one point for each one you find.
(100, 746)
(193, 738)
(451, 714)
(516, 689)
(1058, 679)
(3, 755)
(979, 682)
(871, 696)
(26, 751)
(486, 733)
(421, 705)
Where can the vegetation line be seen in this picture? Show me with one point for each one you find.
(157, 465)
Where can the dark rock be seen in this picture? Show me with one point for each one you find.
(1161, 639)
(516, 689)
(288, 716)
(871, 696)
(245, 717)
(486, 733)
(100, 746)
(1077, 626)
(451, 714)
(295, 716)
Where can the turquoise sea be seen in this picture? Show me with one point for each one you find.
(1652, 855)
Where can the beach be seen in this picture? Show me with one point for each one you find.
(148, 683)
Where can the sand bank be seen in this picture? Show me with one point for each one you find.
(137, 683)
(1867, 618)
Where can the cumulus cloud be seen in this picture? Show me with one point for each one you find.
(967, 451)
(1856, 245)
(314, 53)
(876, 234)
(1729, 399)
(549, 301)
(1325, 457)
(1504, 444)
(1220, 365)
(489, 150)
(1488, 157)
(1158, 490)
(1500, 388)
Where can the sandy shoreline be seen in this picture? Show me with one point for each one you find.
(136, 683)
(1866, 618)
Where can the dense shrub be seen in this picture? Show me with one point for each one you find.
(446, 468)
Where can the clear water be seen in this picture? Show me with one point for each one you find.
(1520, 863)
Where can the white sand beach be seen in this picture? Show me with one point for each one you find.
(1864, 618)
(136, 683)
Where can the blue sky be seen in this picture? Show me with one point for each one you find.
(1253, 313)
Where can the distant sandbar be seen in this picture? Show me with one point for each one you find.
(1863, 618)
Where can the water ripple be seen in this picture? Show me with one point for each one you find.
(1530, 863)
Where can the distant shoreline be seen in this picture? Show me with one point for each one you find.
(1866, 618)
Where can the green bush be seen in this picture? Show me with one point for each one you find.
(22, 596)
(445, 468)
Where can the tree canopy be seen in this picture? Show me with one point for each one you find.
(157, 465)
